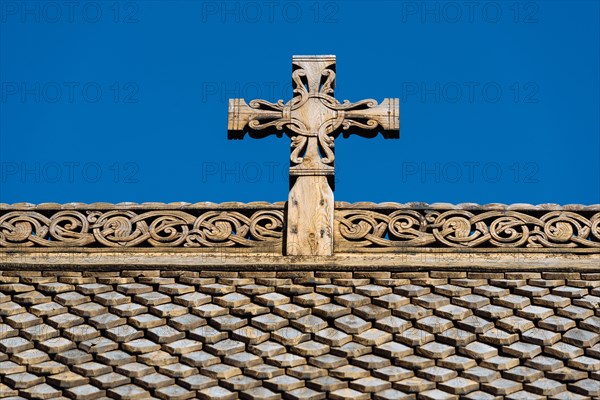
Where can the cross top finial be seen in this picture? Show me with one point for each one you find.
(313, 118)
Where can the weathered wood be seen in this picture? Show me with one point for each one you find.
(313, 118)
(245, 259)
(392, 228)
(310, 217)
(360, 227)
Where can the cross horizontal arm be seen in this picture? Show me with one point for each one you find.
(383, 117)
(259, 115)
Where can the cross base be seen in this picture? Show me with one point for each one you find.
(310, 217)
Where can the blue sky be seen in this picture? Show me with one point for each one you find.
(127, 100)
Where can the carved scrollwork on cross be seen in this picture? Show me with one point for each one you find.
(127, 228)
(467, 229)
(313, 117)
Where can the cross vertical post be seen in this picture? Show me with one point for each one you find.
(313, 118)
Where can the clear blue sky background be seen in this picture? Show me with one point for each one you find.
(127, 101)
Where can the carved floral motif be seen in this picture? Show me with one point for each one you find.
(359, 228)
(128, 228)
(467, 229)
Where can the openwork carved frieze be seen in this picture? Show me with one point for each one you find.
(361, 227)
(244, 227)
(368, 229)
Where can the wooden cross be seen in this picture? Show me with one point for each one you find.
(313, 118)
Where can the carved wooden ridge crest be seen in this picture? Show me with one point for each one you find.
(361, 227)
(310, 223)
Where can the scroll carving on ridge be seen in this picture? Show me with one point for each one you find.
(356, 229)
(128, 228)
(368, 229)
